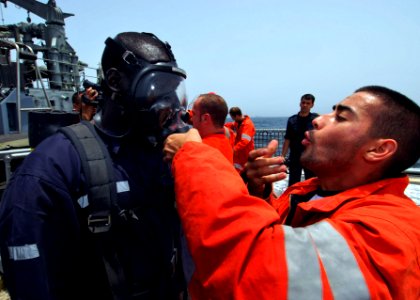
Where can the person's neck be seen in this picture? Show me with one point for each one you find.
(304, 114)
(347, 180)
(211, 131)
(219, 131)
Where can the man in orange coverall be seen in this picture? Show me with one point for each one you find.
(209, 113)
(208, 116)
(349, 233)
(244, 128)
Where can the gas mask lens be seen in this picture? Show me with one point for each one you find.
(161, 96)
(148, 89)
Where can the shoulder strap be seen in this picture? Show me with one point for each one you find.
(97, 167)
(102, 194)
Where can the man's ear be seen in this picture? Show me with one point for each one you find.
(205, 117)
(381, 150)
(113, 79)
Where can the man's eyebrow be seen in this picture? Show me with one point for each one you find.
(341, 107)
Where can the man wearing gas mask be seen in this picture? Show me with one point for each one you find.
(48, 250)
(146, 90)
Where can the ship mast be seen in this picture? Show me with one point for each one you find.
(60, 58)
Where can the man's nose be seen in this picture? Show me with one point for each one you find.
(317, 122)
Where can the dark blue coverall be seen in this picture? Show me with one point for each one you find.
(46, 249)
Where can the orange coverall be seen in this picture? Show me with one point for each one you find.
(363, 243)
(244, 141)
(231, 136)
(220, 142)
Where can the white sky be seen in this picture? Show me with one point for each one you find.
(263, 55)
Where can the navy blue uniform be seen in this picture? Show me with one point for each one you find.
(45, 244)
(295, 132)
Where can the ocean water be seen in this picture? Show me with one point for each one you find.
(270, 122)
(267, 122)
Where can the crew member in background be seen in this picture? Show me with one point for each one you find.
(209, 113)
(229, 133)
(84, 103)
(244, 129)
(295, 131)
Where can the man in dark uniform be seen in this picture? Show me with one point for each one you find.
(47, 250)
(296, 127)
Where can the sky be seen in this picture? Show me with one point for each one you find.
(262, 55)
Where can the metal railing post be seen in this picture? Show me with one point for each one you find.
(18, 84)
(38, 75)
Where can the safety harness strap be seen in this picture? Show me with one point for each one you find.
(102, 196)
(97, 167)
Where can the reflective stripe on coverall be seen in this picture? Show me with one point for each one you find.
(230, 134)
(363, 243)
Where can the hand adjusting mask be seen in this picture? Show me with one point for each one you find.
(157, 95)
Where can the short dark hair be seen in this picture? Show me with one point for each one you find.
(308, 97)
(214, 105)
(235, 111)
(398, 119)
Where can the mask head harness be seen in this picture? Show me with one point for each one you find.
(130, 59)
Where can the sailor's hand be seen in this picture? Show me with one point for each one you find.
(175, 141)
(91, 93)
(262, 168)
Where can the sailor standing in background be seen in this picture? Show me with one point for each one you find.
(244, 129)
(295, 132)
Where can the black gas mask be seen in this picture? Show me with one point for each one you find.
(156, 99)
(159, 95)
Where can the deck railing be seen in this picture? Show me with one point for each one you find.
(263, 136)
